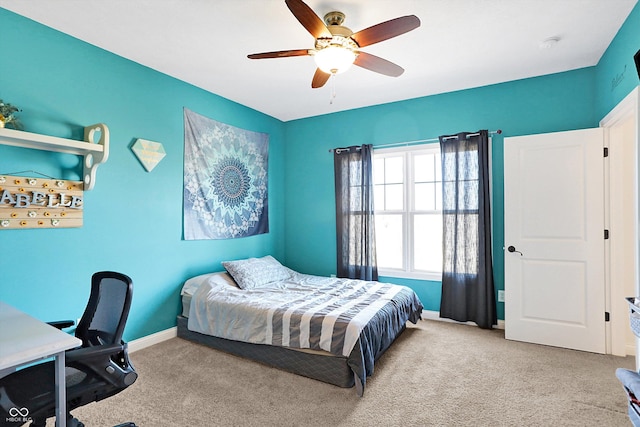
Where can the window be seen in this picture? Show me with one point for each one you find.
(408, 211)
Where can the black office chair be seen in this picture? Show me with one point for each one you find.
(95, 371)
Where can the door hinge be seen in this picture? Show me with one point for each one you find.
(606, 234)
(606, 151)
(606, 316)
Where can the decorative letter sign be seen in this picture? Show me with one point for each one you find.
(39, 203)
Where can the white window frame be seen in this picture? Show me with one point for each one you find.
(408, 213)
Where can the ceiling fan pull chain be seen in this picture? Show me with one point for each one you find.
(333, 88)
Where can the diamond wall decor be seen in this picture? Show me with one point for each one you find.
(149, 153)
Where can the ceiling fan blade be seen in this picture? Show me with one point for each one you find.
(386, 30)
(279, 54)
(319, 78)
(308, 18)
(377, 64)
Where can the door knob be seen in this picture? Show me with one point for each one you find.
(513, 249)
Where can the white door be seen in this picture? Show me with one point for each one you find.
(554, 239)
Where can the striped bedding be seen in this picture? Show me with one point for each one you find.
(350, 318)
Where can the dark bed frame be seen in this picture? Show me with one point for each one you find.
(327, 368)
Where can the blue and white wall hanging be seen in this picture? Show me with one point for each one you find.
(225, 180)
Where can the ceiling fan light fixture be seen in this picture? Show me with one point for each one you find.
(337, 47)
(334, 59)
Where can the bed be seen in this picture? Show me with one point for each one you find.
(325, 328)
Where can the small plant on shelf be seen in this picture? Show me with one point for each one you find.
(8, 117)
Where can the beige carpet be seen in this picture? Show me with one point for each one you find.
(436, 374)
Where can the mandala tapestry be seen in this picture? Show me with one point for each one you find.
(225, 180)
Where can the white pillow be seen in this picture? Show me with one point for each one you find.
(256, 272)
(191, 285)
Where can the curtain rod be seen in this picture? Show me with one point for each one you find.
(418, 141)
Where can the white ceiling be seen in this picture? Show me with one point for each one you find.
(460, 44)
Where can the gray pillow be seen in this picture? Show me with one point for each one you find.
(256, 272)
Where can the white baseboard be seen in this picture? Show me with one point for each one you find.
(435, 315)
(152, 339)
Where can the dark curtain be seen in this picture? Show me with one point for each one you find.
(467, 272)
(355, 226)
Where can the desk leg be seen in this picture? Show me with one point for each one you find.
(61, 391)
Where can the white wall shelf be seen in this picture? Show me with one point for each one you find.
(94, 152)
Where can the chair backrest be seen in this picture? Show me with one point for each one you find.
(104, 318)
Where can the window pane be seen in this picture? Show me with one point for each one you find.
(378, 171)
(378, 197)
(394, 197)
(393, 170)
(424, 167)
(389, 241)
(425, 196)
(408, 198)
(427, 242)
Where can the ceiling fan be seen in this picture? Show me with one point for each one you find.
(337, 47)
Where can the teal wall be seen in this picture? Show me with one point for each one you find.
(616, 74)
(133, 219)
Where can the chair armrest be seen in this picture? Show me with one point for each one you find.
(98, 351)
(61, 324)
(109, 362)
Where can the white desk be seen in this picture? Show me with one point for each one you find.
(24, 339)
